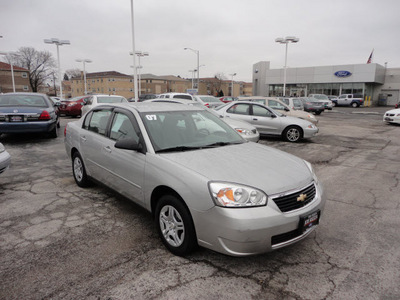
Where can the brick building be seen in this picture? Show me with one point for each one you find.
(21, 79)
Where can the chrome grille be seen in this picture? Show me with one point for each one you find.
(289, 202)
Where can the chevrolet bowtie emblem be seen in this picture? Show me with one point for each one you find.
(302, 197)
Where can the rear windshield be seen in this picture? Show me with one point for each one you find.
(110, 99)
(23, 100)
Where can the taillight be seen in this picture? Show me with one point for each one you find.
(44, 115)
(207, 104)
(65, 131)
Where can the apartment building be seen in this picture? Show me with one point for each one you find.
(109, 83)
(21, 79)
(215, 86)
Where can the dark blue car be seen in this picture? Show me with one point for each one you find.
(28, 113)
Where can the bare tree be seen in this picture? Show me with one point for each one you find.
(73, 73)
(39, 63)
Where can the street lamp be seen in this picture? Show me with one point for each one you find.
(12, 67)
(135, 85)
(140, 54)
(58, 42)
(234, 74)
(198, 63)
(286, 40)
(193, 72)
(84, 61)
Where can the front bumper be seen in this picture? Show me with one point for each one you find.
(5, 160)
(249, 231)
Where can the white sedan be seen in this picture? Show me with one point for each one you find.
(392, 116)
(101, 99)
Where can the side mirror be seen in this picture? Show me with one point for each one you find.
(128, 144)
(287, 109)
(273, 116)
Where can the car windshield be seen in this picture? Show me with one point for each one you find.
(321, 97)
(73, 99)
(23, 100)
(110, 99)
(209, 99)
(188, 130)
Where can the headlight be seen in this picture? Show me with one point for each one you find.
(312, 126)
(227, 194)
(243, 131)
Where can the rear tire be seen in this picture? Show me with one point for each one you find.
(354, 104)
(293, 134)
(54, 132)
(175, 225)
(79, 171)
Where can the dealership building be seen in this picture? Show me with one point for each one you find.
(380, 83)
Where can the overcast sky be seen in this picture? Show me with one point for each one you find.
(231, 35)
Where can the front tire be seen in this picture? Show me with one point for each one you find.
(79, 171)
(292, 134)
(175, 225)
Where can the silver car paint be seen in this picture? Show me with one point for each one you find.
(267, 125)
(238, 232)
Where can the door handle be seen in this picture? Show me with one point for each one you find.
(83, 138)
(108, 149)
(255, 119)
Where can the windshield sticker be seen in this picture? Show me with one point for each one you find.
(151, 117)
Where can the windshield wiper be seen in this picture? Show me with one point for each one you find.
(220, 144)
(178, 148)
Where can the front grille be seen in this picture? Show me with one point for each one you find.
(292, 201)
(284, 237)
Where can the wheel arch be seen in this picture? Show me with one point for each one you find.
(160, 191)
(284, 132)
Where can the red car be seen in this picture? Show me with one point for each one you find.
(73, 106)
(397, 105)
(227, 99)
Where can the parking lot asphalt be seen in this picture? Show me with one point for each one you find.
(59, 241)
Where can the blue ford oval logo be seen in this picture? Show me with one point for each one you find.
(342, 74)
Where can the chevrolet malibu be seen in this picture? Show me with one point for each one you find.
(203, 183)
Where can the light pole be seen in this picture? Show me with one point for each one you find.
(192, 71)
(140, 54)
(234, 74)
(84, 61)
(135, 84)
(58, 43)
(198, 63)
(10, 61)
(286, 40)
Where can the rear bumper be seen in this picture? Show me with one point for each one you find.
(28, 127)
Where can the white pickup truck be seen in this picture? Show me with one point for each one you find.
(354, 100)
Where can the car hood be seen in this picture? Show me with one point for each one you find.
(251, 164)
(393, 111)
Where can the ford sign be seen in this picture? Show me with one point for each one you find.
(342, 74)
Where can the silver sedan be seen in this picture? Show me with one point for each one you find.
(203, 183)
(246, 130)
(267, 121)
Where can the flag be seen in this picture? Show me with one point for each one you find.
(370, 57)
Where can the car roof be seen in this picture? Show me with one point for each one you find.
(147, 106)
